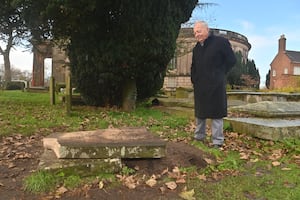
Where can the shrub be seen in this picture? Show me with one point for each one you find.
(15, 85)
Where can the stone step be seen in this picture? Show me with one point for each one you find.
(264, 128)
(106, 143)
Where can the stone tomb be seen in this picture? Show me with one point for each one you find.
(269, 120)
(102, 149)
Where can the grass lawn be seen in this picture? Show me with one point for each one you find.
(248, 168)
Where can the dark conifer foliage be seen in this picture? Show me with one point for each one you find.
(112, 41)
(244, 74)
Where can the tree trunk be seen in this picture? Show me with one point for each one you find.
(7, 71)
(129, 95)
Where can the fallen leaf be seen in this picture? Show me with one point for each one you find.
(130, 182)
(18, 144)
(188, 195)
(165, 171)
(151, 182)
(202, 177)
(276, 163)
(254, 160)
(276, 154)
(208, 161)
(244, 156)
(233, 134)
(215, 176)
(100, 184)
(61, 191)
(286, 169)
(258, 174)
(256, 153)
(171, 185)
(23, 155)
(11, 165)
(176, 170)
(296, 156)
(180, 180)
(174, 175)
(162, 189)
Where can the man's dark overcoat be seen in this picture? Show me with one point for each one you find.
(210, 63)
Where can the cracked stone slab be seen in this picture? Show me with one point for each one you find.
(106, 143)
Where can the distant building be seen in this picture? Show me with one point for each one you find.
(179, 71)
(285, 67)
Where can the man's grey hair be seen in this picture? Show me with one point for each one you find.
(202, 23)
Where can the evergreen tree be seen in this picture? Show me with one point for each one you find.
(268, 79)
(117, 44)
(244, 73)
(233, 77)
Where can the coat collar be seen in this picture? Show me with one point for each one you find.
(206, 41)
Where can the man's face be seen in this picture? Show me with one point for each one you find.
(200, 32)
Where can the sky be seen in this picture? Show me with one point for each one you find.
(262, 22)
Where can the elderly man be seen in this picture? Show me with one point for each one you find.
(212, 58)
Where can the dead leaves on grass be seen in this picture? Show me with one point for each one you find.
(253, 150)
(14, 148)
(130, 182)
(250, 150)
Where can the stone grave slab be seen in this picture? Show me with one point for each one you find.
(270, 129)
(272, 120)
(270, 109)
(106, 143)
(84, 167)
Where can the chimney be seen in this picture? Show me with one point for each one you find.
(282, 43)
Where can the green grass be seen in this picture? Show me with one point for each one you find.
(40, 181)
(268, 184)
(31, 113)
(46, 181)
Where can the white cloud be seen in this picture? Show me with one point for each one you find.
(246, 25)
(260, 41)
